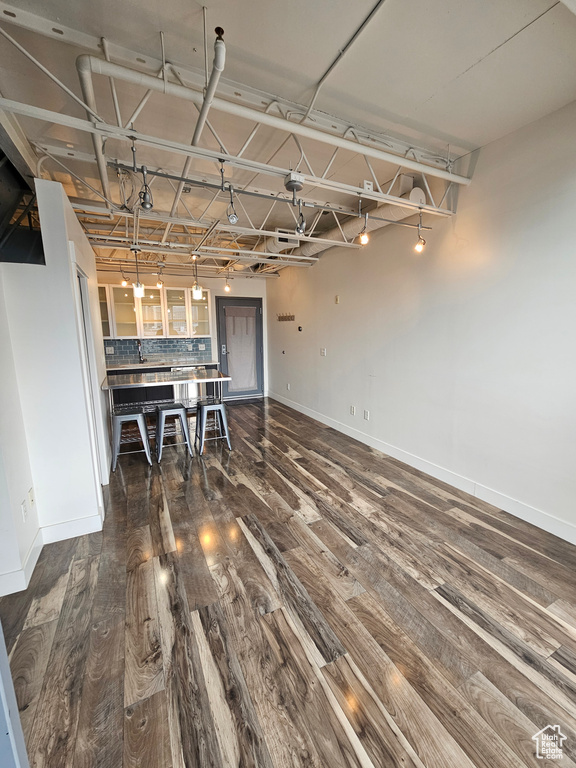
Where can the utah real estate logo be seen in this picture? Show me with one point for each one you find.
(549, 743)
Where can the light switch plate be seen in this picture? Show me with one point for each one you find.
(189, 347)
(201, 347)
(323, 352)
(109, 350)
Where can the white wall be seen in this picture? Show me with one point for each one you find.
(45, 335)
(20, 542)
(464, 355)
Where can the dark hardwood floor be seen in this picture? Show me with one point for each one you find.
(301, 601)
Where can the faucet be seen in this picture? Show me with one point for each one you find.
(140, 355)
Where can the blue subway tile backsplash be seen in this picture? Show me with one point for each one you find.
(126, 350)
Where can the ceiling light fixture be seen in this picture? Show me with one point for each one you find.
(196, 289)
(124, 282)
(160, 282)
(301, 223)
(231, 212)
(145, 194)
(421, 244)
(227, 287)
(138, 287)
(364, 236)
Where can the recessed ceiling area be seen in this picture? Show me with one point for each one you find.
(416, 86)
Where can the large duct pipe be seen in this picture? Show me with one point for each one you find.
(352, 227)
(86, 65)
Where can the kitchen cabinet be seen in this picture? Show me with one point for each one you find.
(161, 313)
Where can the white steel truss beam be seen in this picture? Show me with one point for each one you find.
(116, 132)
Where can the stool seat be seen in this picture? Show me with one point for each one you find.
(203, 409)
(171, 409)
(130, 414)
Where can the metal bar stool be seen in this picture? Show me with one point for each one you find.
(218, 409)
(126, 415)
(171, 409)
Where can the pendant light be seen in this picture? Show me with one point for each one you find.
(364, 236)
(135, 248)
(139, 289)
(124, 282)
(145, 194)
(160, 282)
(421, 243)
(227, 287)
(196, 289)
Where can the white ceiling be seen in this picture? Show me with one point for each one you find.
(432, 72)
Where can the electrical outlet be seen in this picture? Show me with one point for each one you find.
(109, 350)
(353, 410)
(336, 299)
(31, 497)
(368, 185)
(201, 347)
(323, 352)
(24, 510)
(288, 387)
(189, 347)
(367, 415)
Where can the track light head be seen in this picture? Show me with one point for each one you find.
(145, 194)
(420, 245)
(364, 236)
(301, 225)
(232, 216)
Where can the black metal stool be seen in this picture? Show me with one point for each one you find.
(171, 409)
(129, 414)
(218, 409)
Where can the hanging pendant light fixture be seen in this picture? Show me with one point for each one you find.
(227, 287)
(364, 236)
(139, 289)
(135, 248)
(124, 282)
(196, 289)
(160, 282)
(421, 243)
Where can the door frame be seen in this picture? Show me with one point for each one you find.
(239, 301)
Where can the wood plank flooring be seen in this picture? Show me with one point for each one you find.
(301, 601)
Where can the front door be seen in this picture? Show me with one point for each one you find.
(240, 349)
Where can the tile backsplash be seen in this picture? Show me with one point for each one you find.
(126, 350)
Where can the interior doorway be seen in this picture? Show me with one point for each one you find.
(240, 346)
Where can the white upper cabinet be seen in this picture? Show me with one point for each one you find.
(161, 313)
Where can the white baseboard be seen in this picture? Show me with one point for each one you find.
(16, 581)
(71, 528)
(561, 528)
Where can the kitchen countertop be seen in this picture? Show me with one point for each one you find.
(159, 378)
(160, 364)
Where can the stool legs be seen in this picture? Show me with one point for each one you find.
(219, 411)
(224, 426)
(161, 423)
(144, 435)
(117, 422)
(186, 431)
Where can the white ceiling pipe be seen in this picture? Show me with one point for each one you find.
(88, 65)
(217, 69)
(353, 227)
(87, 87)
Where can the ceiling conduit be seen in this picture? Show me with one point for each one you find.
(351, 227)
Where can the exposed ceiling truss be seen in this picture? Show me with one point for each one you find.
(189, 219)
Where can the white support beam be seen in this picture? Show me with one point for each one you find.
(111, 131)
